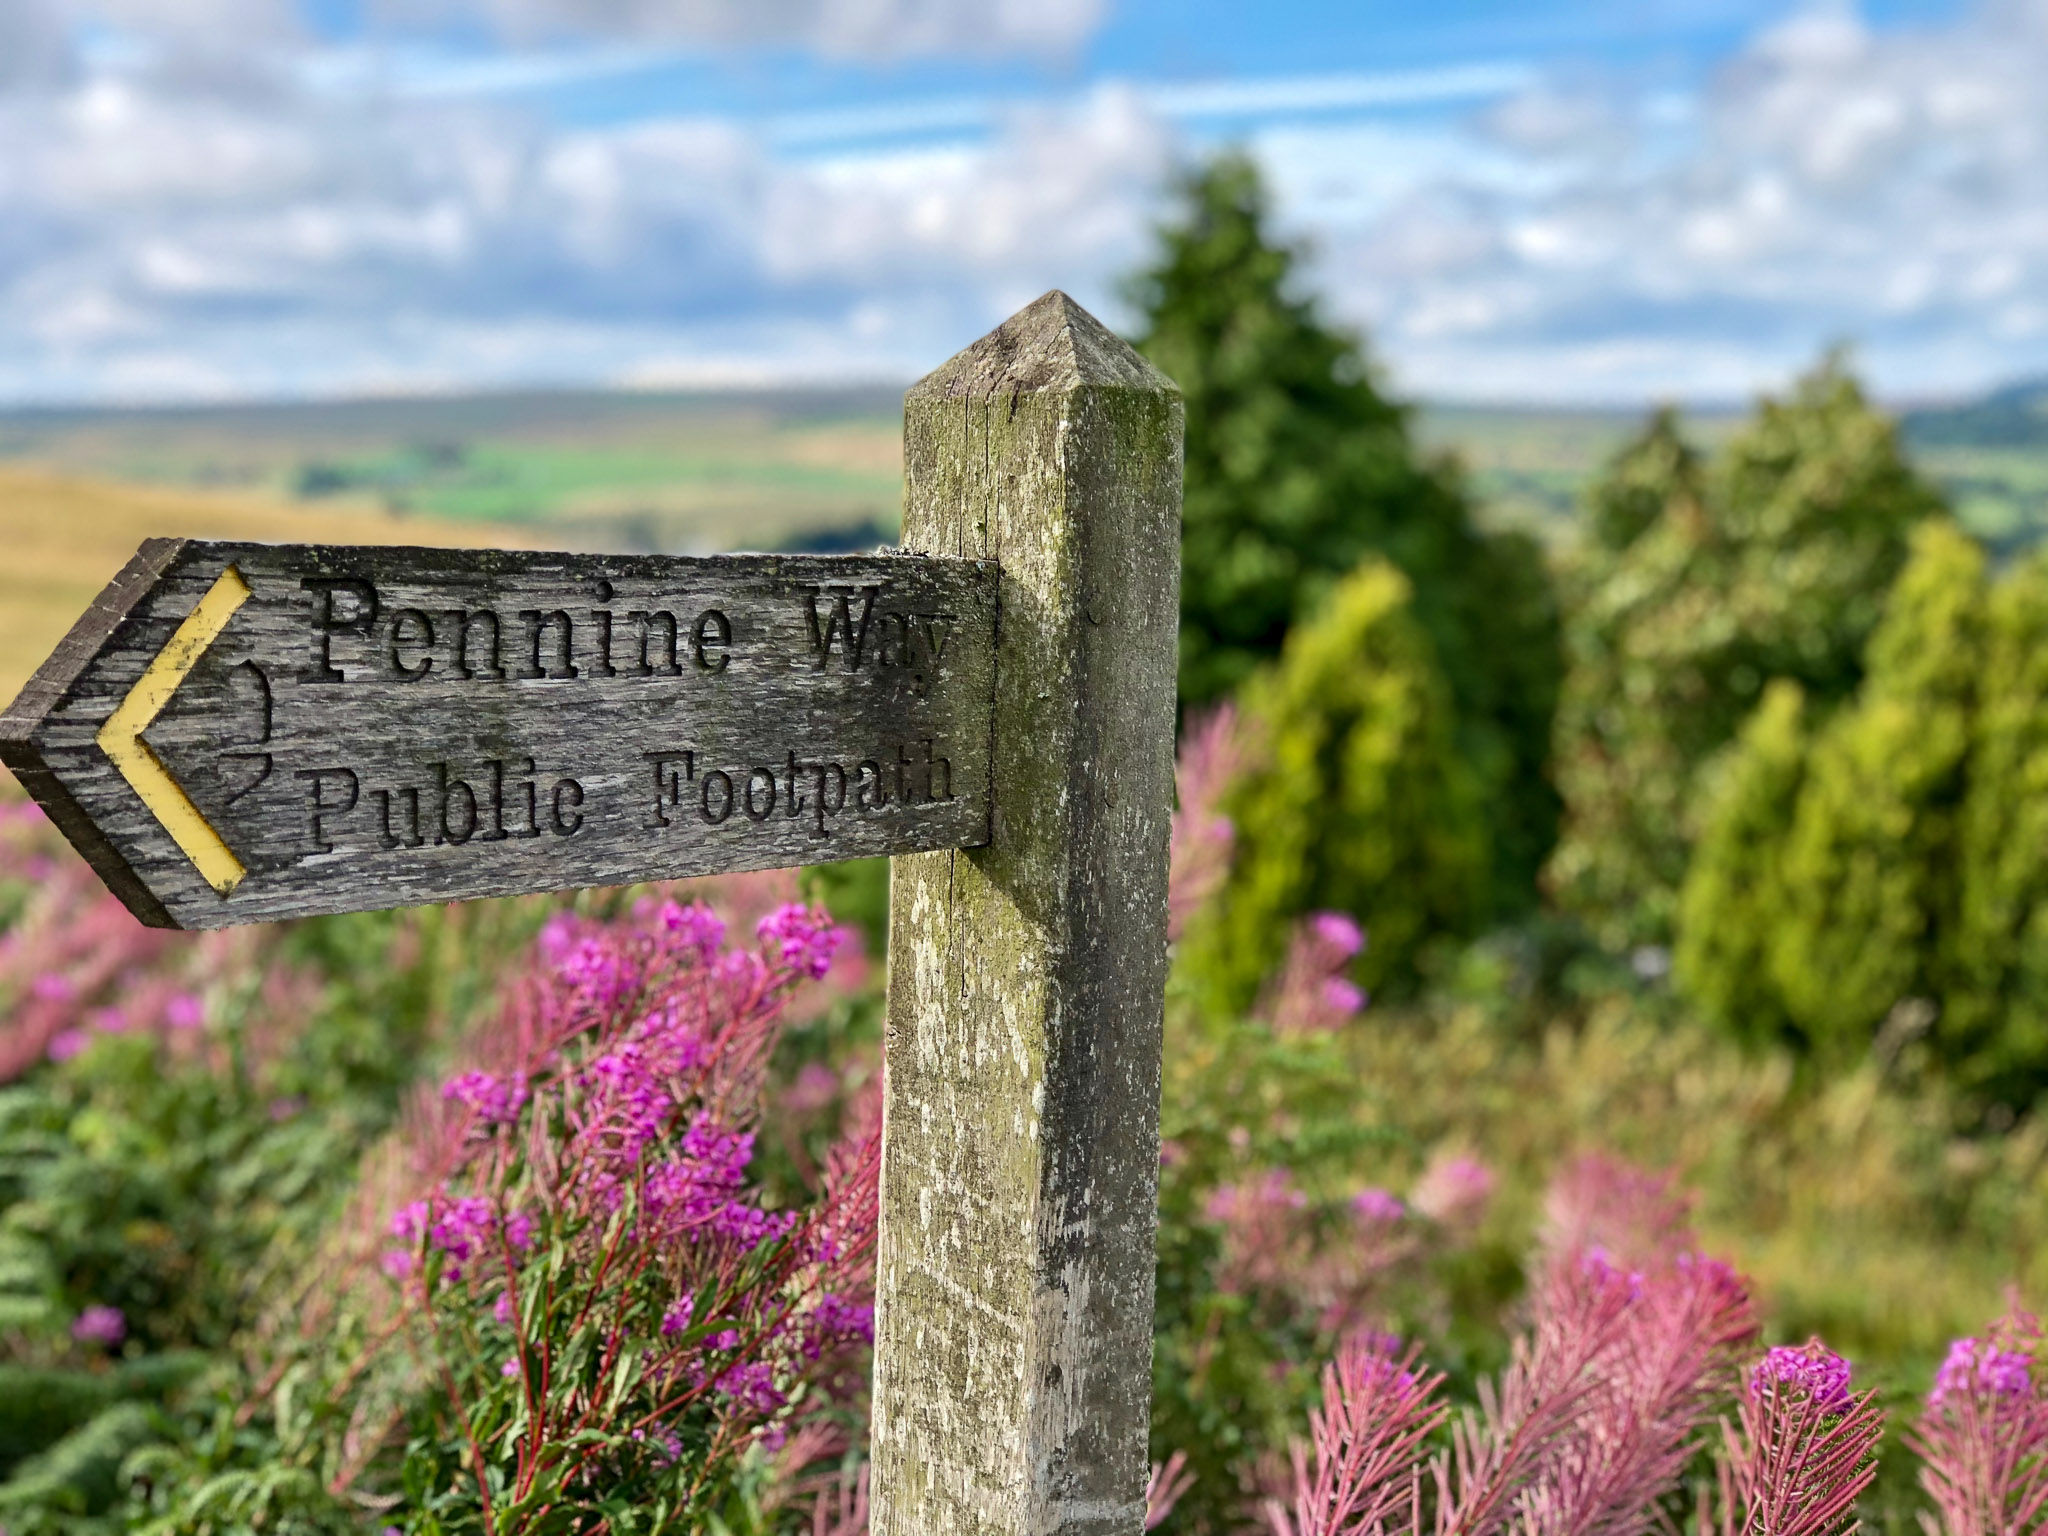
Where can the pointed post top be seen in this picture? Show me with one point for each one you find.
(1052, 346)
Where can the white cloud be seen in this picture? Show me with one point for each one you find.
(176, 216)
(1832, 181)
(844, 28)
(165, 232)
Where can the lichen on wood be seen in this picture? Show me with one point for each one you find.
(1020, 1162)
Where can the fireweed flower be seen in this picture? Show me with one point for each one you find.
(697, 925)
(492, 1098)
(1377, 1205)
(99, 1324)
(1339, 933)
(590, 1188)
(1983, 1437)
(1453, 1190)
(805, 937)
(1202, 836)
(1806, 1449)
(1310, 994)
(1811, 1370)
(1978, 1367)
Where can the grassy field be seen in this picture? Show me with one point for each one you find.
(822, 469)
(1530, 467)
(66, 535)
(681, 473)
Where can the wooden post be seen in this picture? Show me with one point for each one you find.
(1020, 1153)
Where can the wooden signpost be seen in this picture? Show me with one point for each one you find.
(240, 732)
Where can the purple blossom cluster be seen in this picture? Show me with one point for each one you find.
(461, 1229)
(495, 1100)
(1311, 994)
(803, 939)
(1811, 1371)
(1203, 837)
(74, 964)
(1983, 1437)
(1979, 1368)
(100, 1324)
(613, 1123)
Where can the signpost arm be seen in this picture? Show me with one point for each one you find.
(1021, 1130)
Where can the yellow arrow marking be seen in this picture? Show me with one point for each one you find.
(121, 737)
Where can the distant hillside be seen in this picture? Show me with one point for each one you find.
(611, 470)
(2013, 417)
(1991, 457)
(822, 469)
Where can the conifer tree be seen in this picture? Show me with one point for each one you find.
(1356, 798)
(1733, 900)
(1298, 467)
(1831, 874)
(1866, 874)
(1772, 562)
(1994, 1006)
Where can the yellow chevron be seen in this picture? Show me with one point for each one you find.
(121, 737)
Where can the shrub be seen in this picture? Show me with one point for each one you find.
(1866, 878)
(1354, 798)
(1772, 562)
(1299, 468)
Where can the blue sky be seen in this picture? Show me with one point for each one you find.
(1578, 202)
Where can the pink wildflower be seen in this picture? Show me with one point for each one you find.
(67, 1043)
(1311, 993)
(1339, 933)
(184, 1011)
(1983, 1438)
(1363, 1470)
(1454, 1190)
(803, 938)
(1202, 836)
(1811, 1370)
(696, 925)
(100, 1324)
(1378, 1206)
(495, 1100)
(1806, 1448)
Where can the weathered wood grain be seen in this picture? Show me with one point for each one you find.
(386, 727)
(1021, 1127)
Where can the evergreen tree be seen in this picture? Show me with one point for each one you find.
(1771, 562)
(1994, 1007)
(1733, 900)
(1849, 868)
(1866, 873)
(1356, 798)
(1297, 468)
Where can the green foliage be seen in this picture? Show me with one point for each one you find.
(1995, 1009)
(1881, 874)
(1772, 562)
(1642, 482)
(1298, 467)
(1864, 872)
(1356, 798)
(1730, 906)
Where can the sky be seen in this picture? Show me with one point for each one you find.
(1576, 202)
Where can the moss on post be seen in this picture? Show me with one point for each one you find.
(1020, 1155)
